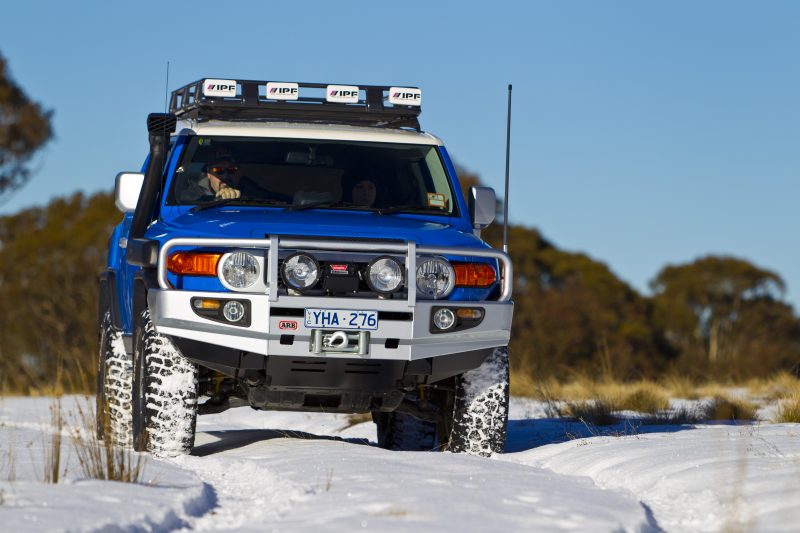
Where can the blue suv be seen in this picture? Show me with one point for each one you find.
(302, 246)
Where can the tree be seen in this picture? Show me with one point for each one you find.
(572, 313)
(721, 312)
(49, 261)
(24, 129)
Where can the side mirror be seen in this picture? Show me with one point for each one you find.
(126, 190)
(482, 206)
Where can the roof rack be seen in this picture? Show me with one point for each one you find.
(248, 100)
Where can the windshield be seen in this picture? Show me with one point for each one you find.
(294, 173)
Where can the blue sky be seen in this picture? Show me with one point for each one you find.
(643, 133)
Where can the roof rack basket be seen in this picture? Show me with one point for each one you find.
(251, 104)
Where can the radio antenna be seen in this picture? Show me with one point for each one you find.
(166, 89)
(508, 156)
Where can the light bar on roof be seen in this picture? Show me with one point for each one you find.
(219, 88)
(405, 96)
(343, 94)
(282, 91)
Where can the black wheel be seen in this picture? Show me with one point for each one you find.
(165, 393)
(403, 432)
(114, 385)
(478, 420)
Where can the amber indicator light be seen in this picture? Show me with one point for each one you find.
(193, 263)
(474, 274)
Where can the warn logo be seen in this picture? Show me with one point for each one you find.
(219, 88)
(282, 91)
(344, 94)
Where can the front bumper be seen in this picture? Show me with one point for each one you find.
(404, 335)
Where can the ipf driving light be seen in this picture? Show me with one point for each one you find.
(300, 271)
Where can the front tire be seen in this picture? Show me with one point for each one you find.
(480, 411)
(165, 393)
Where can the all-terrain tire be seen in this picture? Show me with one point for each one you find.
(480, 412)
(114, 385)
(403, 432)
(165, 393)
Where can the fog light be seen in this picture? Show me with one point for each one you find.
(233, 311)
(444, 319)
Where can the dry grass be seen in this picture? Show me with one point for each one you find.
(644, 397)
(356, 419)
(598, 412)
(781, 386)
(103, 459)
(722, 407)
(597, 401)
(52, 444)
(789, 410)
(522, 384)
(679, 386)
(8, 463)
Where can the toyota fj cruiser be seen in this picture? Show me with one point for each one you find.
(346, 275)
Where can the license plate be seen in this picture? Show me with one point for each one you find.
(341, 319)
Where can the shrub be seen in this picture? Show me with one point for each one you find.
(726, 408)
(644, 398)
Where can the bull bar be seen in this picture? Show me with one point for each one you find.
(274, 243)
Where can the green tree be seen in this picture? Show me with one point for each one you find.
(24, 129)
(49, 261)
(722, 313)
(571, 312)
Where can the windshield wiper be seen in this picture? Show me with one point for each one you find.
(410, 207)
(240, 201)
(322, 203)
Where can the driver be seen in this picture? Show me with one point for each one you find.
(223, 179)
(219, 179)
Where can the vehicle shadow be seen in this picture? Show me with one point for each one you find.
(525, 434)
(239, 438)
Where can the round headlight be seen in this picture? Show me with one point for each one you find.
(384, 275)
(300, 271)
(435, 278)
(239, 270)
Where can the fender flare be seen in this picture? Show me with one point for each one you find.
(143, 281)
(108, 299)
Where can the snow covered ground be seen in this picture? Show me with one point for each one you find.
(298, 471)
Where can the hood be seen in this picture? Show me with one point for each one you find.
(235, 222)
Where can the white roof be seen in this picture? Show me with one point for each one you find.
(296, 130)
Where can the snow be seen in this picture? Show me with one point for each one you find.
(282, 471)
